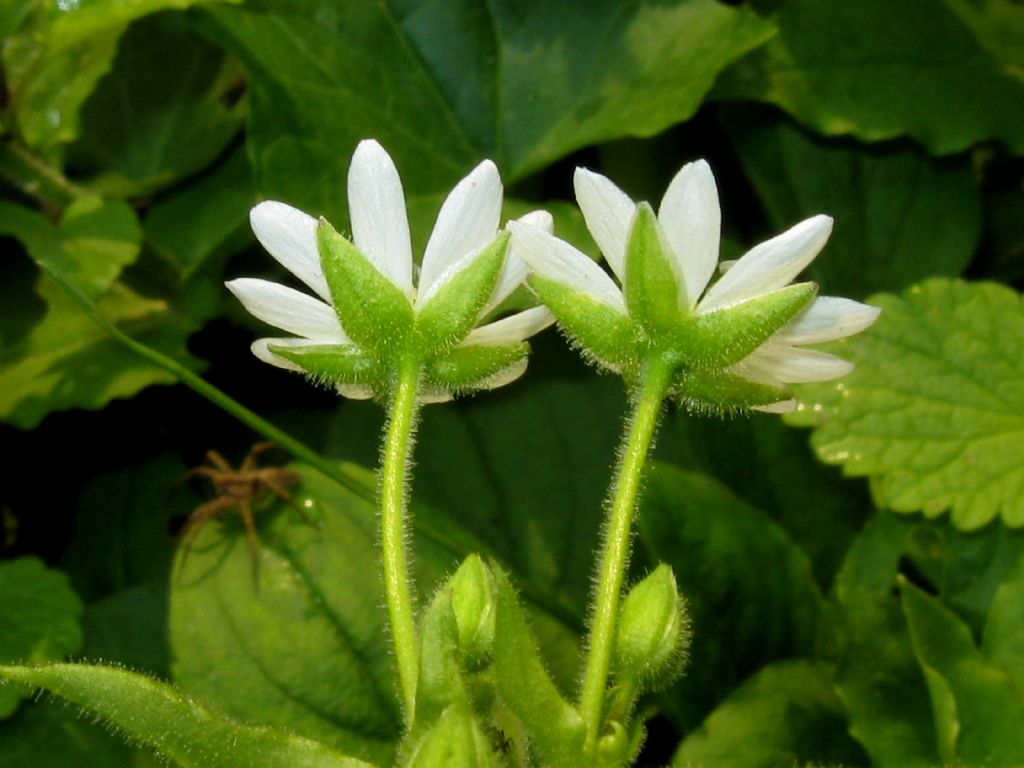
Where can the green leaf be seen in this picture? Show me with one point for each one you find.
(746, 583)
(452, 312)
(786, 714)
(977, 707)
(522, 87)
(878, 677)
(66, 361)
(602, 335)
(650, 289)
(147, 125)
(556, 729)
(176, 726)
(40, 618)
(934, 411)
(1004, 631)
(195, 230)
(47, 736)
(55, 60)
(305, 648)
(373, 310)
(845, 68)
(900, 217)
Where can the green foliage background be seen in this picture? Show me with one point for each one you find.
(869, 616)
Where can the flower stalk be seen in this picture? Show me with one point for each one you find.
(640, 432)
(398, 442)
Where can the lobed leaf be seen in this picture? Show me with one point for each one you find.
(934, 411)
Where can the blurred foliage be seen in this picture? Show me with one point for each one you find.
(136, 134)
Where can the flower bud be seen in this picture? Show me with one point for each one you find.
(653, 632)
(473, 605)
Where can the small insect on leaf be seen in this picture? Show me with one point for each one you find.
(238, 489)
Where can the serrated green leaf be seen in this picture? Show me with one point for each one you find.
(176, 726)
(40, 619)
(601, 333)
(452, 312)
(746, 584)
(852, 68)
(900, 216)
(523, 88)
(375, 313)
(651, 289)
(977, 706)
(785, 714)
(934, 410)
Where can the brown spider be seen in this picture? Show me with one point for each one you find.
(238, 488)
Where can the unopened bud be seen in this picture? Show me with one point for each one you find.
(473, 605)
(653, 632)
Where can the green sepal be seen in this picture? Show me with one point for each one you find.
(452, 312)
(602, 334)
(335, 364)
(556, 729)
(726, 336)
(440, 683)
(374, 312)
(464, 369)
(651, 288)
(653, 633)
(176, 726)
(474, 608)
(718, 392)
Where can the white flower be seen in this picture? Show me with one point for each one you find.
(689, 225)
(466, 224)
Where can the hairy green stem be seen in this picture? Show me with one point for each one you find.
(398, 440)
(33, 176)
(643, 423)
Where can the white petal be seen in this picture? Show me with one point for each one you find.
(692, 222)
(783, 406)
(608, 212)
(509, 330)
(376, 205)
(289, 235)
(770, 265)
(260, 348)
(429, 398)
(828, 318)
(453, 269)
(515, 270)
(354, 391)
(556, 260)
(772, 363)
(468, 221)
(288, 309)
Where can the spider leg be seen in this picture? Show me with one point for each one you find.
(200, 516)
(218, 461)
(252, 539)
(275, 487)
(249, 462)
